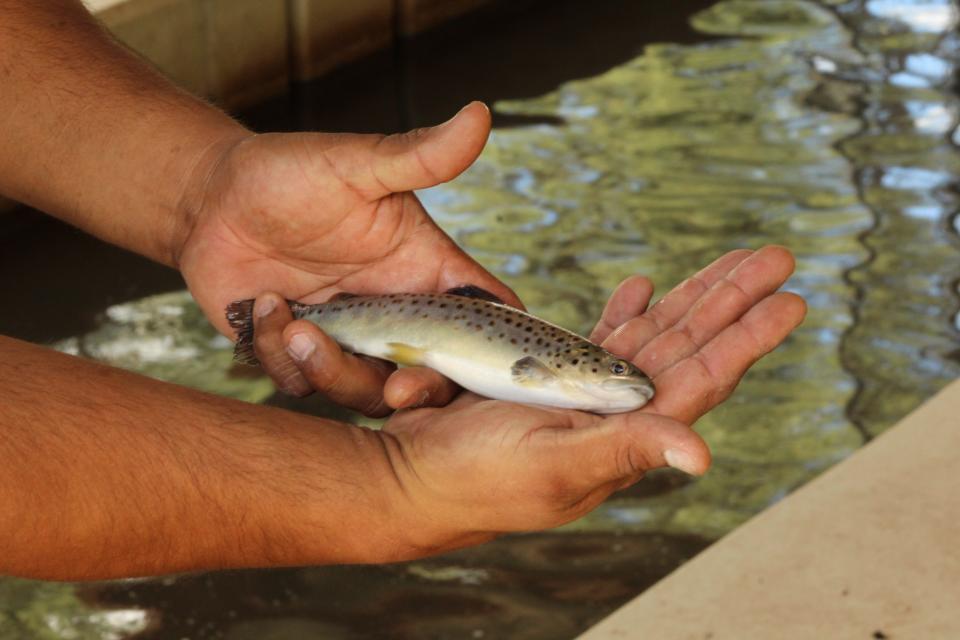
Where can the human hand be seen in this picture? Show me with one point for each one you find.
(309, 215)
(699, 340)
(477, 467)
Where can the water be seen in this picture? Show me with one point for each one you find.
(829, 127)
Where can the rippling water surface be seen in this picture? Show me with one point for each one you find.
(828, 127)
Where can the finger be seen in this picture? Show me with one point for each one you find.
(629, 300)
(695, 385)
(629, 338)
(415, 387)
(270, 315)
(415, 418)
(427, 157)
(729, 298)
(627, 445)
(351, 381)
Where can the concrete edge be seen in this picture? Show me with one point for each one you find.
(866, 550)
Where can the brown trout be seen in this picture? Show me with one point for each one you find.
(472, 338)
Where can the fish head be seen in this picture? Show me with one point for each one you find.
(587, 377)
(617, 384)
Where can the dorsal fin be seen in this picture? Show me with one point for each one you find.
(473, 291)
(343, 295)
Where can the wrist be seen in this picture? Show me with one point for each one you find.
(197, 173)
(423, 523)
(327, 495)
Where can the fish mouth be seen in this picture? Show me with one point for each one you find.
(642, 387)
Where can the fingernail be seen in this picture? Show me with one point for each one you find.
(462, 109)
(264, 307)
(679, 459)
(300, 347)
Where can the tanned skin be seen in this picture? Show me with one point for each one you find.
(107, 474)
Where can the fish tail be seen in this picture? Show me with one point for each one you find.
(240, 317)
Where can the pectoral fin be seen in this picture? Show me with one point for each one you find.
(405, 354)
(530, 371)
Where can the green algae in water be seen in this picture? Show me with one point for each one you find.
(826, 127)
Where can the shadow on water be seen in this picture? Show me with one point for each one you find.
(512, 588)
(829, 127)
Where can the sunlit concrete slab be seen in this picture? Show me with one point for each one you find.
(867, 550)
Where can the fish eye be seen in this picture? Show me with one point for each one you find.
(618, 368)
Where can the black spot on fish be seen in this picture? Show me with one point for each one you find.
(574, 361)
(443, 306)
(594, 369)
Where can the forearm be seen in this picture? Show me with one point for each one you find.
(93, 135)
(104, 473)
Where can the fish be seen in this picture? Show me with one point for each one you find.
(472, 337)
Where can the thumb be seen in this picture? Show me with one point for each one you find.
(628, 445)
(427, 157)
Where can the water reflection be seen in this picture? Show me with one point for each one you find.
(823, 126)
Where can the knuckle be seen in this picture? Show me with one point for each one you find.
(290, 381)
(626, 462)
(326, 379)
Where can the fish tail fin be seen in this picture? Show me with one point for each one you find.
(240, 317)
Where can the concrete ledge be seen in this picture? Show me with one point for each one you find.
(232, 51)
(238, 51)
(417, 16)
(329, 33)
(867, 550)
